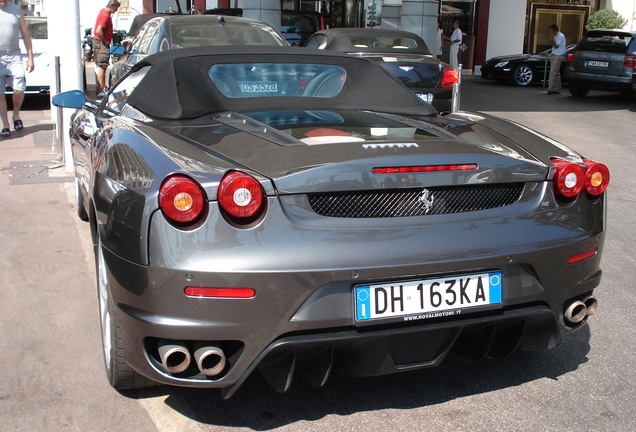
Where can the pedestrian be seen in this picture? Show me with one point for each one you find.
(12, 71)
(456, 41)
(439, 42)
(557, 39)
(102, 38)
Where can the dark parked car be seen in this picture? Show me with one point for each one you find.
(169, 31)
(404, 54)
(603, 60)
(258, 208)
(521, 69)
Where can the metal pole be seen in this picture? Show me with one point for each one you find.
(456, 97)
(59, 135)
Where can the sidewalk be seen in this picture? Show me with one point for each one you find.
(32, 156)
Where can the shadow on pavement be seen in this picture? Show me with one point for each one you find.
(484, 95)
(256, 406)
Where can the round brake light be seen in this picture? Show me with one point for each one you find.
(181, 199)
(597, 178)
(240, 195)
(568, 178)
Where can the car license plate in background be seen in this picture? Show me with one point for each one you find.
(258, 87)
(427, 298)
(593, 63)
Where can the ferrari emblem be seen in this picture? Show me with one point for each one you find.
(426, 198)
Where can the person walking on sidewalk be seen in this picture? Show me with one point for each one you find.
(11, 67)
(102, 38)
(557, 39)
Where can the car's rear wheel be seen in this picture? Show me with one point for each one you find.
(522, 75)
(578, 90)
(120, 375)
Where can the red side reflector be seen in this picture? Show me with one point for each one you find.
(425, 168)
(582, 256)
(220, 292)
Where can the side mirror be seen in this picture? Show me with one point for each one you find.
(70, 99)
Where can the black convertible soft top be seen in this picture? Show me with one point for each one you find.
(178, 84)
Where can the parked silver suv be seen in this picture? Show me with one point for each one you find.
(603, 60)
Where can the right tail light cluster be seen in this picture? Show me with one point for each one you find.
(450, 76)
(571, 178)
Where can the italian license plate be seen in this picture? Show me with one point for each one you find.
(258, 87)
(427, 298)
(593, 63)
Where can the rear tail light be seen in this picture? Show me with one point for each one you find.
(449, 77)
(630, 60)
(597, 178)
(322, 23)
(571, 56)
(181, 199)
(570, 178)
(240, 195)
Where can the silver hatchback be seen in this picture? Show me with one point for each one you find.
(603, 60)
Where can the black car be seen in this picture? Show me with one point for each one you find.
(404, 54)
(259, 209)
(170, 31)
(520, 69)
(603, 60)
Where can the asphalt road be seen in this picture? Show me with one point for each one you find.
(52, 374)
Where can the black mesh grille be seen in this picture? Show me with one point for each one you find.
(414, 202)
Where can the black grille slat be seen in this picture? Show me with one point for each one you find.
(407, 202)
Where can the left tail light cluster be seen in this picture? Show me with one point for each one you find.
(571, 178)
(449, 77)
(182, 200)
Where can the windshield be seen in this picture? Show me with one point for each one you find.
(190, 35)
(614, 42)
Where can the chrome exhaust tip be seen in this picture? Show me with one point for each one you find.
(210, 360)
(575, 312)
(591, 304)
(174, 356)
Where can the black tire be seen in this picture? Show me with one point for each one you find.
(522, 75)
(79, 202)
(120, 375)
(578, 90)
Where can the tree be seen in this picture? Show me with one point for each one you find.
(605, 18)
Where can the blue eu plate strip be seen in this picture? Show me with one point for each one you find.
(363, 303)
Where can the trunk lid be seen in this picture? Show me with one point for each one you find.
(320, 151)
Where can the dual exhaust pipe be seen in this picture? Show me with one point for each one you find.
(578, 310)
(176, 358)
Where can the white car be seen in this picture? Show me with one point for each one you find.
(39, 81)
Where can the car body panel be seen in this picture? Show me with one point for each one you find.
(304, 264)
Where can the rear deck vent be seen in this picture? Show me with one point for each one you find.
(414, 201)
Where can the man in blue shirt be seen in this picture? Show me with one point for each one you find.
(558, 51)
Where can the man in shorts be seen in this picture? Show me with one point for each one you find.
(11, 67)
(102, 38)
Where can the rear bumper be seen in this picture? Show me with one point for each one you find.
(602, 82)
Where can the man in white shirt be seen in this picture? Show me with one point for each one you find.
(557, 39)
(456, 41)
